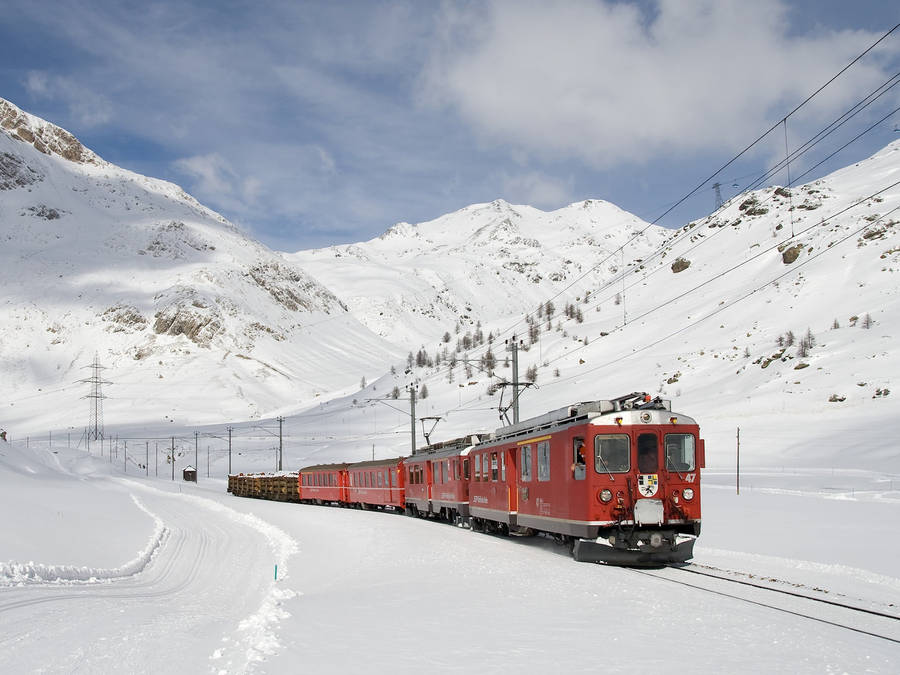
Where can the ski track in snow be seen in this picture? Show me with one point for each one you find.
(198, 574)
(19, 574)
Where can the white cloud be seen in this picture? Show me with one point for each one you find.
(604, 83)
(211, 174)
(536, 189)
(87, 108)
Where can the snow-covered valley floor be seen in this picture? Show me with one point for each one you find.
(105, 573)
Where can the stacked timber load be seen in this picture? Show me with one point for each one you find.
(280, 487)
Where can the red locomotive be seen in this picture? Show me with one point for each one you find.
(618, 480)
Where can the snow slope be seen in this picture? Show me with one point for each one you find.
(485, 262)
(176, 302)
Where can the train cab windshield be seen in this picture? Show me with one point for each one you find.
(612, 453)
(680, 454)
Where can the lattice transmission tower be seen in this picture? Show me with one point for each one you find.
(94, 430)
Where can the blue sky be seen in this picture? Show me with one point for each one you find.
(316, 123)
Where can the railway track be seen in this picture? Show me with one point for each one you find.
(883, 624)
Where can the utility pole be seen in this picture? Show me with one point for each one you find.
(229, 450)
(412, 416)
(513, 344)
(196, 451)
(173, 458)
(157, 459)
(147, 457)
(515, 365)
(719, 201)
(280, 444)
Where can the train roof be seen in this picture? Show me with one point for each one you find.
(372, 463)
(583, 411)
(454, 446)
(325, 467)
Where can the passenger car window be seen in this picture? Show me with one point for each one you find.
(543, 452)
(525, 461)
(612, 454)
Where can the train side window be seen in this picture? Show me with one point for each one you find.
(680, 452)
(525, 462)
(466, 469)
(495, 466)
(612, 454)
(648, 453)
(503, 466)
(456, 469)
(395, 478)
(578, 461)
(543, 452)
(444, 470)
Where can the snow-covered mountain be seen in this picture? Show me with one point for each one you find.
(190, 318)
(485, 262)
(777, 314)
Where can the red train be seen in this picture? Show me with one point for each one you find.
(618, 480)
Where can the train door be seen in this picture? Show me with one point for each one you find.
(648, 457)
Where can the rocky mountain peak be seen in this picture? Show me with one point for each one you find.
(45, 137)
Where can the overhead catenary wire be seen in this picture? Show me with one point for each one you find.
(717, 171)
(727, 305)
(806, 147)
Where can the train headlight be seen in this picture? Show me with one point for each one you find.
(688, 494)
(605, 495)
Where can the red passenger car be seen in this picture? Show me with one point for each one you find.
(323, 483)
(619, 479)
(438, 480)
(378, 483)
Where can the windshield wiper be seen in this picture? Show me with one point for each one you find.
(671, 467)
(612, 480)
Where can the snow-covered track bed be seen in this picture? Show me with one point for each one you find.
(785, 597)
